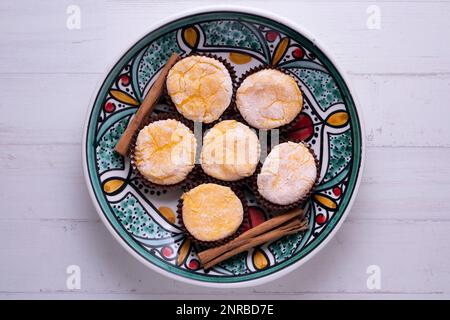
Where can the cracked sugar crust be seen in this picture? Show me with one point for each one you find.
(230, 151)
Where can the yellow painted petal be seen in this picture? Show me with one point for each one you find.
(338, 119)
(325, 201)
(240, 58)
(260, 260)
(190, 37)
(112, 185)
(280, 51)
(123, 97)
(183, 251)
(168, 213)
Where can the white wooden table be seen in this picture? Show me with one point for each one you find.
(400, 221)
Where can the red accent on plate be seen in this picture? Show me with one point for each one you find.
(337, 191)
(167, 252)
(271, 36)
(256, 216)
(125, 80)
(321, 218)
(193, 264)
(110, 107)
(303, 128)
(298, 53)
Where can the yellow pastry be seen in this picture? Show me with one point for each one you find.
(211, 212)
(268, 99)
(288, 173)
(165, 152)
(200, 87)
(230, 151)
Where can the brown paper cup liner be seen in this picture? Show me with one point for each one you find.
(274, 206)
(229, 110)
(284, 128)
(191, 176)
(210, 244)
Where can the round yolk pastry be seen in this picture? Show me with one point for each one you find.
(230, 151)
(268, 99)
(288, 173)
(211, 212)
(165, 152)
(200, 87)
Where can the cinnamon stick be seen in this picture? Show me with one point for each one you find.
(146, 107)
(270, 224)
(289, 228)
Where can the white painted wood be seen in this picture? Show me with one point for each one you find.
(400, 220)
(44, 108)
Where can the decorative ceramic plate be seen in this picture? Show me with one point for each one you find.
(144, 220)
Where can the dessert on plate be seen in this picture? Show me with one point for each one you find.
(211, 212)
(230, 151)
(269, 99)
(287, 175)
(200, 87)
